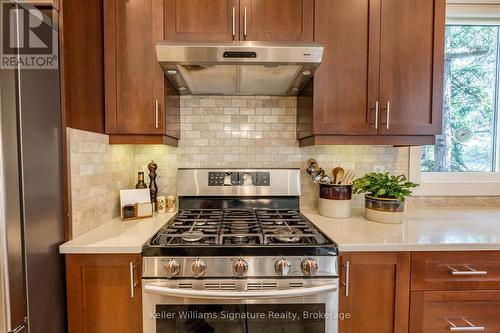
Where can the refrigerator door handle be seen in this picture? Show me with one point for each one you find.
(19, 328)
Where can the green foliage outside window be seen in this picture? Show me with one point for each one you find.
(469, 110)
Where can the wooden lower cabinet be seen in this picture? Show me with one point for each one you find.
(455, 291)
(469, 311)
(104, 293)
(456, 270)
(375, 292)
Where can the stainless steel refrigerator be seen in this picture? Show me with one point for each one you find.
(32, 288)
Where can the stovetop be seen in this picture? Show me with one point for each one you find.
(205, 232)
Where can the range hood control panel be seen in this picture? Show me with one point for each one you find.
(235, 178)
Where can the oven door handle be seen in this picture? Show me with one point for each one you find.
(219, 294)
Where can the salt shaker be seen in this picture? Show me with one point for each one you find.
(170, 204)
(161, 204)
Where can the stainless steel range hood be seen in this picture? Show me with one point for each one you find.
(239, 68)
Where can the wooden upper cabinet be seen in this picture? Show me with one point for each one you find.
(104, 293)
(134, 81)
(375, 292)
(272, 20)
(82, 73)
(227, 20)
(201, 20)
(411, 66)
(342, 102)
(381, 78)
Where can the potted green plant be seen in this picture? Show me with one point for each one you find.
(384, 196)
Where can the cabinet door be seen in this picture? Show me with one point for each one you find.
(346, 83)
(104, 293)
(82, 70)
(375, 292)
(461, 311)
(411, 66)
(277, 20)
(201, 20)
(133, 78)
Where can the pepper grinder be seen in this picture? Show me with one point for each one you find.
(153, 189)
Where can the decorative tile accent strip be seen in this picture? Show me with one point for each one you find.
(453, 202)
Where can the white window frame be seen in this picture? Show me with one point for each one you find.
(482, 12)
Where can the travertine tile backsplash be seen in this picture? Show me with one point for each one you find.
(256, 132)
(233, 132)
(97, 172)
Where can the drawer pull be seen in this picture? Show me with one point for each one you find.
(469, 271)
(469, 328)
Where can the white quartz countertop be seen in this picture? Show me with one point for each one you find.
(116, 236)
(423, 230)
(435, 229)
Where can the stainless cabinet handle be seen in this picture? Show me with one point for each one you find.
(157, 113)
(470, 327)
(133, 284)
(234, 22)
(388, 115)
(469, 271)
(345, 283)
(376, 114)
(245, 21)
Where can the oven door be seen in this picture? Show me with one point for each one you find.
(240, 305)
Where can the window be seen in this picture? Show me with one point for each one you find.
(466, 158)
(468, 142)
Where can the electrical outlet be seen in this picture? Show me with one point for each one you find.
(378, 168)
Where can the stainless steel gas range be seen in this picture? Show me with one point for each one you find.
(240, 257)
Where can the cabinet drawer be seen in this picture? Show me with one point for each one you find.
(455, 311)
(455, 270)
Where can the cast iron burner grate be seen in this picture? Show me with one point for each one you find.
(238, 227)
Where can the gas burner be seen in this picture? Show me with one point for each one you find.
(240, 227)
(193, 235)
(288, 234)
(191, 227)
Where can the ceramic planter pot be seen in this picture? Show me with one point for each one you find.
(335, 201)
(384, 210)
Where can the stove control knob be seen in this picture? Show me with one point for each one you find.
(309, 266)
(199, 267)
(240, 267)
(172, 268)
(282, 267)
